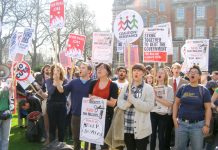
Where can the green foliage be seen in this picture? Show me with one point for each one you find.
(213, 59)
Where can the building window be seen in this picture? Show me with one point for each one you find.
(200, 30)
(175, 54)
(145, 20)
(200, 12)
(163, 20)
(161, 7)
(189, 32)
(179, 32)
(153, 4)
(180, 13)
(152, 20)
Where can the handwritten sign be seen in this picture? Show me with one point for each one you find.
(93, 121)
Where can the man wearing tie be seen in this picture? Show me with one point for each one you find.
(176, 82)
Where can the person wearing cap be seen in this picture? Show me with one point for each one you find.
(137, 104)
(192, 112)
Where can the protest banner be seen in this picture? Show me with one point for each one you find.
(155, 44)
(102, 47)
(169, 42)
(65, 60)
(134, 56)
(22, 71)
(92, 123)
(57, 14)
(27, 82)
(75, 47)
(26, 41)
(197, 53)
(160, 92)
(14, 44)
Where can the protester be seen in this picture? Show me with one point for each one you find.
(192, 112)
(121, 81)
(137, 106)
(104, 88)
(149, 79)
(213, 84)
(176, 81)
(78, 89)
(204, 78)
(56, 104)
(164, 99)
(44, 75)
(169, 71)
(5, 114)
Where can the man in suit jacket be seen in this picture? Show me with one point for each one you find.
(176, 82)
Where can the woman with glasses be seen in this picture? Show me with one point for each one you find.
(192, 112)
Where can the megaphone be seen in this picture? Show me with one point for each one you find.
(4, 72)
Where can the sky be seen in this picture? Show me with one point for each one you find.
(102, 10)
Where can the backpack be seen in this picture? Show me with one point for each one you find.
(32, 132)
(200, 88)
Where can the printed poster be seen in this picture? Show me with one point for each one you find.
(57, 14)
(27, 82)
(102, 47)
(155, 43)
(93, 121)
(75, 48)
(65, 60)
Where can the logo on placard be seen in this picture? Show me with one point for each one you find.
(128, 26)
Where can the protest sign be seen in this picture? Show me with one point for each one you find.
(120, 47)
(75, 48)
(102, 47)
(155, 44)
(57, 14)
(14, 44)
(26, 41)
(197, 53)
(169, 42)
(93, 120)
(128, 26)
(22, 71)
(134, 55)
(27, 82)
(160, 92)
(65, 60)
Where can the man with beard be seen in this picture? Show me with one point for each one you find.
(121, 81)
(78, 88)
(44, 75)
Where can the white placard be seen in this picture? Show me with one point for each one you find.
(27, 82)
(93, 121)
(197, 53)
(169, 42)
(161, 93)
(102, 47)
(128, 26)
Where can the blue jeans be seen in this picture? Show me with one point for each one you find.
(5, 127)
(186, 131)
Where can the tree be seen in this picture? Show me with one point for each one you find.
(12, 12)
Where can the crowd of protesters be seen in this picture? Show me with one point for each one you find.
(188, 103)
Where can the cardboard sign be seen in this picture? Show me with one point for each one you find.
(23, 70)
(128, 26)
(57, 14)
(102, 47)
(134, 55)
(27, 82)
(65, 60)
(155, 44)
(75, 48)
(93, 120)
(197, 53)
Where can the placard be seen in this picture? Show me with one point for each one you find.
(22, 71)
(65, 60)
(27, 82)
(134, 55)
(57, 14)
(75, 48)
(102, 47)
(92, 123)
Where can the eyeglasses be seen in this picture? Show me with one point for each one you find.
(194, 72)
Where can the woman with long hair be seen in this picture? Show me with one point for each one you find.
(56, 103)
(163, 106)
(104, 88)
